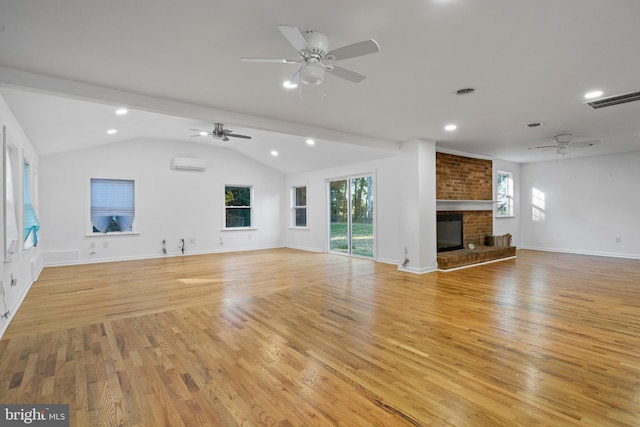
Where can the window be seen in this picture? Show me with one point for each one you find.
(299, 209)
(505, 194)
(112, 205)
(31, 225)
(237, 202)
(11, 197)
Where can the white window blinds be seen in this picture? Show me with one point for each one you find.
(112, 205)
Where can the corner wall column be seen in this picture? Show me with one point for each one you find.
(417, 228)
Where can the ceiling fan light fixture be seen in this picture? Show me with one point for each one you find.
(312, 73)
(563, 150)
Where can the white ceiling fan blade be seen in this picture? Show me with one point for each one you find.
(544, 147)
(345, 73)
(584, 144)
(270, 60)
(351, 51)
(293, 36)
(235, 135)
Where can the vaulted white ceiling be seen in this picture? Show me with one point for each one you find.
(176, 66)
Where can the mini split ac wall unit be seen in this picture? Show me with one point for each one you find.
(186, 163)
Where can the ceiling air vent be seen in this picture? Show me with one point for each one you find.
(614, 100)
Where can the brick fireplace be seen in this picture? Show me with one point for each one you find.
(467, 179)
(464, 186)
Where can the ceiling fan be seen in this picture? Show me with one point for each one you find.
(313, 49)
(563, 144)
(219, 132)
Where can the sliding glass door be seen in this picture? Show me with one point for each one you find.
(351, 216)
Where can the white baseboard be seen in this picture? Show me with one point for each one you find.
(14, 309)
(425, 270)
(581, 252)
(61, 263)
(304, 248)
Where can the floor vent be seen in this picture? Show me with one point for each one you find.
(614, 100)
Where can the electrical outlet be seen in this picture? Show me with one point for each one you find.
(92, 245)
(192, 241)
(618, 239)
(105, 245)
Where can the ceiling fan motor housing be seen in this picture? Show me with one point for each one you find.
(312, 71)
(564, 138)
(318, 42)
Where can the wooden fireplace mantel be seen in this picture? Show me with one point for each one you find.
(464, 205)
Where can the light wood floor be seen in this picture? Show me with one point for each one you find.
(290, 338)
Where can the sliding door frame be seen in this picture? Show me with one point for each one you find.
(349, 237)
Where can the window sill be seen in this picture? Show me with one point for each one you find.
(298, 228)
(118, 233)
(504, 216)
(238, 228)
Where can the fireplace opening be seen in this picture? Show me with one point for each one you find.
(449, 232)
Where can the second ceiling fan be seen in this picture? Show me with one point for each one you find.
(316, 58)
(219, 132)
(564, 142)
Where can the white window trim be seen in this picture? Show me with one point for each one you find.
(294, 207)
(224, 208)
(509, 196)
(32, 181)
(11, 220)
(89, 226)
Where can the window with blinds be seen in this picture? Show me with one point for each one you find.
(112, 205)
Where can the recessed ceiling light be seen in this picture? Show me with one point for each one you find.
(310, 141)
(112, 131)
(533, 125)
(274, 153)
(288, 84)
(121, 111)
(465, 91)
(593, 94)
(450, 127)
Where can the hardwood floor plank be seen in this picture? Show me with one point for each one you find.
(291, 338)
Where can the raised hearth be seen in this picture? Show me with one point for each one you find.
(480, 254)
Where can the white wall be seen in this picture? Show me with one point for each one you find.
(589, 203)
(26, 266)
(399, 206)
(170, 204)
(314, 238)
(511, 225)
